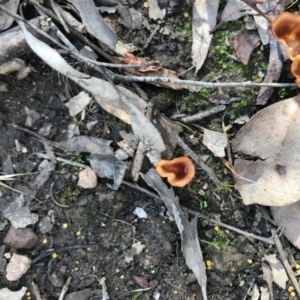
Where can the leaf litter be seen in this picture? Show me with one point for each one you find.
(131, 114)
(268, 172)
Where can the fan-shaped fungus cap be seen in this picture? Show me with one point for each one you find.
(286, 29)
(179, 171)
(295, 68)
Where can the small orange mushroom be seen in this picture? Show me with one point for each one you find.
(286, 29)
(179, 171)
(295, 68)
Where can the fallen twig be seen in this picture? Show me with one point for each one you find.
(198, 160)
(140, 152)
(208, 85)
(65, 289)
(269, 240)
(66, 161)
(36, 291)
(203, 114)
(56, 8)
(151, 36)
(286, 263)
(53, 197)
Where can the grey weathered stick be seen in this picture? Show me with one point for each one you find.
(36, 291)
(65, 289)
(203, 114)
(208, 85)
(286, 263)
(269, 240)
(56, 8)
(140, 152)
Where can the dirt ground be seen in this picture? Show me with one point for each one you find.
(93, 235)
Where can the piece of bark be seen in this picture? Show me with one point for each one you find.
(275, 58)
(13, 43)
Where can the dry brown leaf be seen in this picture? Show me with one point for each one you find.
(278, 271)
(108, 166)
(288, 217)
(268, 277)
(107, 95)
(94, 23)
(268, 169)
(215, 141)
(204, 20)
(244, 43)
(154, 11)
(5, 293)
(5, 19)
(275, 58)
(234, 10)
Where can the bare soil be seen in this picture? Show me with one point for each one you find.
(101, 223)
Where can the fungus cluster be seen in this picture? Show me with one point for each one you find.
(179, 171)
(286, 29)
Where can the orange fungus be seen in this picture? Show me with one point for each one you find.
(286, 29)
(179, 171)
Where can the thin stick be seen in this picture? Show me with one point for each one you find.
(202, 216)
(36, 291)
(53, 198)
(208, 85)
(197, 159)
(66, 161)
(286, 264)
(65, 289)
(49, 12)
(145, 191)
(203, 114)
(56, 8)
(140, 152)
(269, 240)
(151, 37)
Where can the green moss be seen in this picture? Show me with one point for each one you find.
(70, 195)
(184, 26)
(204, 94)
(221, 239)
(283, 93)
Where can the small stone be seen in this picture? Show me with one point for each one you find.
(56, 279)
(17, 266)
(82, 201)
(87, 179)
(45, 225)
(21, 238)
